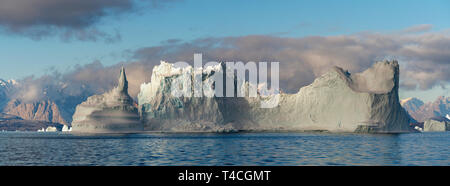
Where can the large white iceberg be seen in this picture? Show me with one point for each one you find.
(337, 102)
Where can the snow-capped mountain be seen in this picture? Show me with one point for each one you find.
(421, 111)
(5, 89)
(7, 84)
(10, 82)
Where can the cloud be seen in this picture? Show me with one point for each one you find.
(417, 28)
(424, 57)
(71, 19)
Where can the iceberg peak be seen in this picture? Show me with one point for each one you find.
(123, 83)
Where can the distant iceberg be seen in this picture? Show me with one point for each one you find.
(66, 128)
(436, 124)
(51, 129)
(418, 128)
(48, 129)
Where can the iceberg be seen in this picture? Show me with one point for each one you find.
(66, 128)
(418, 128)
(436, 124)
(48, 129)
(51, 129)
(337, 101)
(111, 112)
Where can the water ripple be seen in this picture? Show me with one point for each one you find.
(31, 148)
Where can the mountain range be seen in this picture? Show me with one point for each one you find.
(421, 111)
(47, 111)
(18, 114)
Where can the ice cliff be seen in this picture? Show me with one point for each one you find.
(114, 111)
(161, 111)
(336, 101)
(340, 102)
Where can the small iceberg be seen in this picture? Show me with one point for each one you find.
(66, 128)
(48, 129)
(418, 128)
(51, 129)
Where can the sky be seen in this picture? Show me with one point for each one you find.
(37, 40)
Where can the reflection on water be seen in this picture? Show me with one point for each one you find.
(30, 148)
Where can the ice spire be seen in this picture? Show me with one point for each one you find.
(123, 83)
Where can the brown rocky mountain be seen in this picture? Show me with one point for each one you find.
(421, 111)
(46, 111)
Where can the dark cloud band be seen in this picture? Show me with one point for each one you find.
(70, 19)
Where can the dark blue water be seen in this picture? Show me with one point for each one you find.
(32, 148)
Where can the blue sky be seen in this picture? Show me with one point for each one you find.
(192, 19)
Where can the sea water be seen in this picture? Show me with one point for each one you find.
(57, 148)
